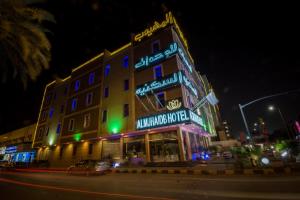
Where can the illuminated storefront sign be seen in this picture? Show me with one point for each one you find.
(166, 82)
(2, 150)
(157, 26)
(11, 149)
(173, 49)
(169, 118)
(174, 104)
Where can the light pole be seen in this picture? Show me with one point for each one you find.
(260, 99)
(272, 108)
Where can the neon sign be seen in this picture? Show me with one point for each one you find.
(174, 104)
(166, 82)
(11, 149)
(173, 48)
(169, 118)
(2, 150)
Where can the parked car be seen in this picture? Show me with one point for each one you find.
(89, 167)
(227, 154)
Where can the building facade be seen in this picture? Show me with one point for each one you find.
(136, 103)
(15, 146)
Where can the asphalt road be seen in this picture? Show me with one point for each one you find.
(59, 186)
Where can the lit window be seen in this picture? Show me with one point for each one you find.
(74, 104)
(106, 70)
(71, 125)
(126, 84)
(91, 78)
(58, 128)
(106, 92)
(125, 62)
(126, 110)
(104, 115)
(158, 72)
(51, 111)
(77, 85)
(161, 100)
(155, 46)
(87, 120)
(89, 99)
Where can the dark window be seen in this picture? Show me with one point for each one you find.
(66, 90)
(126, 110)
(126, 84)
(71, 125)
(106, 92)
(74, 150)
(58, 128)
(106, 70)
(48, 99)
(44, 115)
(104, 115)
(77, 85)
(125, 62)
(61, 151)
(62, 107)
(74, 104)
(89, 99)
(51, 111)
(157, 72)
(54, 96)
(91, 78)
(90, 149)
(155, 46)
(41, 132)
(161, 99)
(47, 131)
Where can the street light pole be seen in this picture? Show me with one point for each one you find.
(245, 121)
(284, 122)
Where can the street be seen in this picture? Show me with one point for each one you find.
(60, 186)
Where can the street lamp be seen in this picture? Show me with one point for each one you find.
(272, 108)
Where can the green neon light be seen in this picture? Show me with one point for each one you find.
(115, 125)
(77, 137)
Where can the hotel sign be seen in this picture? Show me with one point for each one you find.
(169, 118)
(166, 82)
(153, 59)
(174, 104)
(169, 19)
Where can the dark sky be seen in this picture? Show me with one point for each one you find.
(246, 51)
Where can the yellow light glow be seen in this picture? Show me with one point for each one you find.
(87, 62)
(66, 78)
(121, 48)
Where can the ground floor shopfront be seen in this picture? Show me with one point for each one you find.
(167, 144)
(17, 154)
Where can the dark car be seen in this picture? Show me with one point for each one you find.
(89, 167)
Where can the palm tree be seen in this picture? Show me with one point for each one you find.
(24, 46)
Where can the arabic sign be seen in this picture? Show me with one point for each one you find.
(169, 118)
(153, 59)
(166, 82)
(174, 104)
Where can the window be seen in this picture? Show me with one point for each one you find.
(46, 130)
(74, 104)
(125, 62)
(71, 125)
(48, 99)
(126, 84)
(126, 110)
(44, 114)
(90, 149)
(54, 96)
(66, 90)
(161, 100)
(106, 92)
(77, 85)
(51, 111)
(91, 78)
(61, 151)
(158, 72)
(86, 120)
(58, 128)
(155, 46)
(89, 99)
(106, 70)
(41, 131)
(74, 150)
(104, 115)
(62, 107)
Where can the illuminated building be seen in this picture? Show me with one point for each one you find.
(15, 146)
(137, 102)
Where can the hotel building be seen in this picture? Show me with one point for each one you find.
(136, 103)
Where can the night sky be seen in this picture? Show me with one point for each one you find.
(246, 51)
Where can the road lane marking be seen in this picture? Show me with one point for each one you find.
(81, 191)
